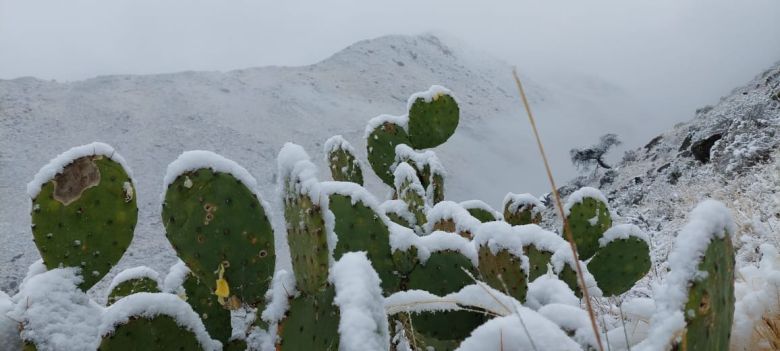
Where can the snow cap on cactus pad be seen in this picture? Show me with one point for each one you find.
(429, 170)
(538, 245)
(219, 226)
(501, 260)
(360, 226)
(383, 134)
(398, 212)
(410, 191)
(622, 259)
(698, 294)
(451, 217)
(153, 321)
(363, 323)
(341, 158)
(309, 224)
(588, 217)
(84, 210)
(131, 281)
(481, 211)
(522, 209)
(433, 117)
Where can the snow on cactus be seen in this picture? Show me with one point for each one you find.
(502, 263)
(429, 170)
(695, 306)
(433, 117)
(588, 217)
(84, 210)
(219, 226)
(451, 217)
(522, 209)
(132, 281)
(481, 211)
(409, 190)
(363, 324)
(623, 258)
(342, 160)
(383, 134)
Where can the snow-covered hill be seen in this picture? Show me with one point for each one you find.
(247, 115)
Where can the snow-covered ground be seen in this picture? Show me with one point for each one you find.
(247, 115)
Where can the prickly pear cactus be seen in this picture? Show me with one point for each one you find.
(433, 117)
(85, 214)
(440, 275)
(219, 227)
(342, 162)
(312, 323)
(429, 169)
(621, 261)
(504, 269)
(215, 317)
(521, 209)
(709, 312)
(588, 218)
(481, 211)
(538, 259)
(131, 281)
(159, 333)
(359, 228)
(411, 192)
(380, 143)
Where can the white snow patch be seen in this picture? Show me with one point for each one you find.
(424, 158)
(517, 202)
(443, 241)
(151, 305)
(57, 164)
(335, 143)
(448, 210)
(174, 280)
(571, 319)
(194, 160)
(756, 296)
(482, 205)
(402, 121)
(548, 289)
(282, 288)
(432, 94)
(399, 208)
(9, 328)
(363, 322)
(139, 272)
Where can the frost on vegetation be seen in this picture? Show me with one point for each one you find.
(55, 314)
(709, 220)
(757, 293)
(524, 330)
(150, 305)
(363, 322)
(57, 164)
(548, 289)
(516, 202)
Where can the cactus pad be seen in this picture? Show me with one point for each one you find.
(521, 209)
(85, 217)
(215, 317)
(214, 220)
(308, 242)
(132, 286)
(380, 144)
(503, 269)
(620, 264)
(538, 259)
(588, 220)
(160, 333)
(312, 323)
(482, 215)
(344, 165)
(433, 117)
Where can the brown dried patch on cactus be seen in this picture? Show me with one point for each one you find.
(79, 175)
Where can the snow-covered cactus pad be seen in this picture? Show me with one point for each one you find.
(312, 322)
(132, 281)
(344, 165)
(481, 211)
(502, 264)
(307, 234)
(219, 226)
(522, 209)
(383, 134)
(84, 210)
(622, 259)
(695, 306)
(443, 273)
(359, 227)
(430, 171)
(451, 217)
(588, 217)
(433, 117)
(149, 321)
(409, 190)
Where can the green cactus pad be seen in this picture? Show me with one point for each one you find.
(308, 243)
(526, 215)
(213, 219)
(380, 144)
(344, 165)
(510, 269)
(312, 323)
(538, 259)
(411, 192)
(429, 169)
(85, 217)
(132, 286)
(588, 219)
(160, 333)
(620, 264)
(215, 317)
(521, 209)
(359, 228)
(482, 215)
(440, 275)
(709, 311)
(433, 118)
(405, 261)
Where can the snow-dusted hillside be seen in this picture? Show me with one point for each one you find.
(247, 115)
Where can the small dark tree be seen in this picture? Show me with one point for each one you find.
(585, 158)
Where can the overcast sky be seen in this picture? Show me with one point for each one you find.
(677, 55)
